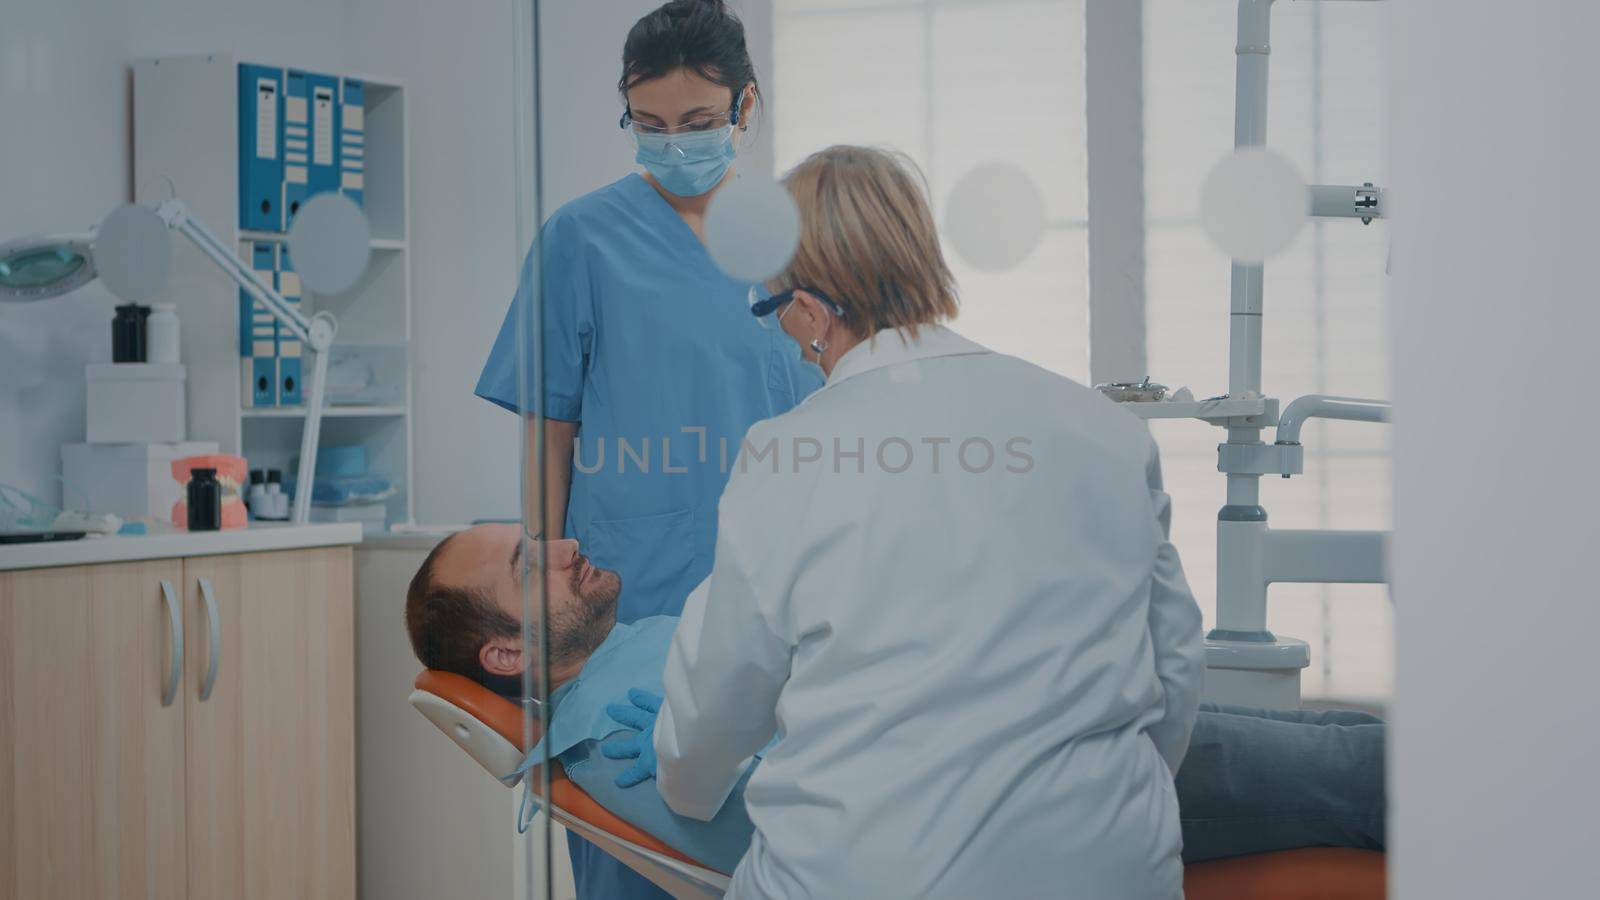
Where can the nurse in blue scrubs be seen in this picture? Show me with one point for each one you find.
(653, 367)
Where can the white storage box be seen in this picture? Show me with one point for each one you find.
(374, 517)
(364, 373)
(129, 480)
(136, 403)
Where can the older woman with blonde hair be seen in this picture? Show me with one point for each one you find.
(944, 581)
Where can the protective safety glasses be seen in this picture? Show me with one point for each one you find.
(763, 305)
(708, 123)
(705, 123)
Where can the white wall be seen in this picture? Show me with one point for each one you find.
(63, 71)
(1494, 142)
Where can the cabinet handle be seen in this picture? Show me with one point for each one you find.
(213, 649)
(175, 664)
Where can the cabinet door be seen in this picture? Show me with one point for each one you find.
(91, 761)
(271, 751)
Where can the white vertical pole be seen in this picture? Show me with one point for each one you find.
(1249, 130)
(1241, 525)
(1245, 301)
(1114, 57)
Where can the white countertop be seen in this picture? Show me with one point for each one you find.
(257, 538)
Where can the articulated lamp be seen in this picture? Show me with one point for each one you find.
(131, 252)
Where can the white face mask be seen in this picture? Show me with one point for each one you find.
(687, 164)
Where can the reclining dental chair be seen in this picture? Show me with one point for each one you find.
(489, 728)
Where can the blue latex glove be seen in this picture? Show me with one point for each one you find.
(641, 745)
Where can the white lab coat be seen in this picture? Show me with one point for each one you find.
(982, 678)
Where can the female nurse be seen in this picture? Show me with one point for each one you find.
(653, 368)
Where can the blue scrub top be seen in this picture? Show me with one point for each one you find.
(653, 351)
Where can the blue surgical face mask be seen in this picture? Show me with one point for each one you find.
(687, 164)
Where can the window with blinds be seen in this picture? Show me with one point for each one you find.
(957, 84)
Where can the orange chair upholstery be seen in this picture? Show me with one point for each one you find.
(506, 718)
(1313, 873)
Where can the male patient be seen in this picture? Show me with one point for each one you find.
(1252, 781)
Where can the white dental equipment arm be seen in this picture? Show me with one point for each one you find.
(1246, 663)
(1322, 406)
(315, 332)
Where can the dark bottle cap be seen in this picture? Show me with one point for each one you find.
(204, 500)
(274, 476)
(257, 476)
(128, 337)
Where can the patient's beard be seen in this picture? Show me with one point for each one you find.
(579, 628)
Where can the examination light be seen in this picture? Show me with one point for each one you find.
(38, 268)
(131, 253)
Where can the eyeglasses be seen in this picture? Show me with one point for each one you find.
(763, 305)
(708, 123)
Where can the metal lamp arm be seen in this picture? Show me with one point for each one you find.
(315, 332)
(177, 216)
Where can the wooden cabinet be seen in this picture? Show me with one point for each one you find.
(271, 753)
(249, 793)
(91, 762)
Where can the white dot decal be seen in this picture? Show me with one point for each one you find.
(995, 217)
(1253, 204)
(752, 228)
(330, 243)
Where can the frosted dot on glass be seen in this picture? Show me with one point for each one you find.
(133, 253)
(1252, 204)
(752, 228)
(995, 217)
(329, 243)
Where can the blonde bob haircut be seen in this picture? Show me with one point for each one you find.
(868, 241)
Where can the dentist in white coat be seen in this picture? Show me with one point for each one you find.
(944, 582)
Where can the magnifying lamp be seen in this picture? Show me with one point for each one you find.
(38, 268)
(131, 253)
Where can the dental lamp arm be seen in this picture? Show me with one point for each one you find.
(1314, 406)
(316, 333)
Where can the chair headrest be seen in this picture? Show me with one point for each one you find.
(502, 715)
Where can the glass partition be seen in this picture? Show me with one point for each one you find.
(637, 368)
(524, 326)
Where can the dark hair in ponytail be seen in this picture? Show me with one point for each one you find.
(703, 36)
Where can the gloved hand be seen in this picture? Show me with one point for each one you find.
(640, 745)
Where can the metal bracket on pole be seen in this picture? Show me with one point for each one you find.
(1261, 459)
(1346, 201)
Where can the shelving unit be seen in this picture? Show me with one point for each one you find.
(185, 117)
(293, 412)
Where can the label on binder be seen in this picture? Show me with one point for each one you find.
(322, 127)
(266, 118)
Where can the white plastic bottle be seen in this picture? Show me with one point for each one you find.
(161, 331)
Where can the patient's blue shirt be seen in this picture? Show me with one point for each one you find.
(633, 656)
